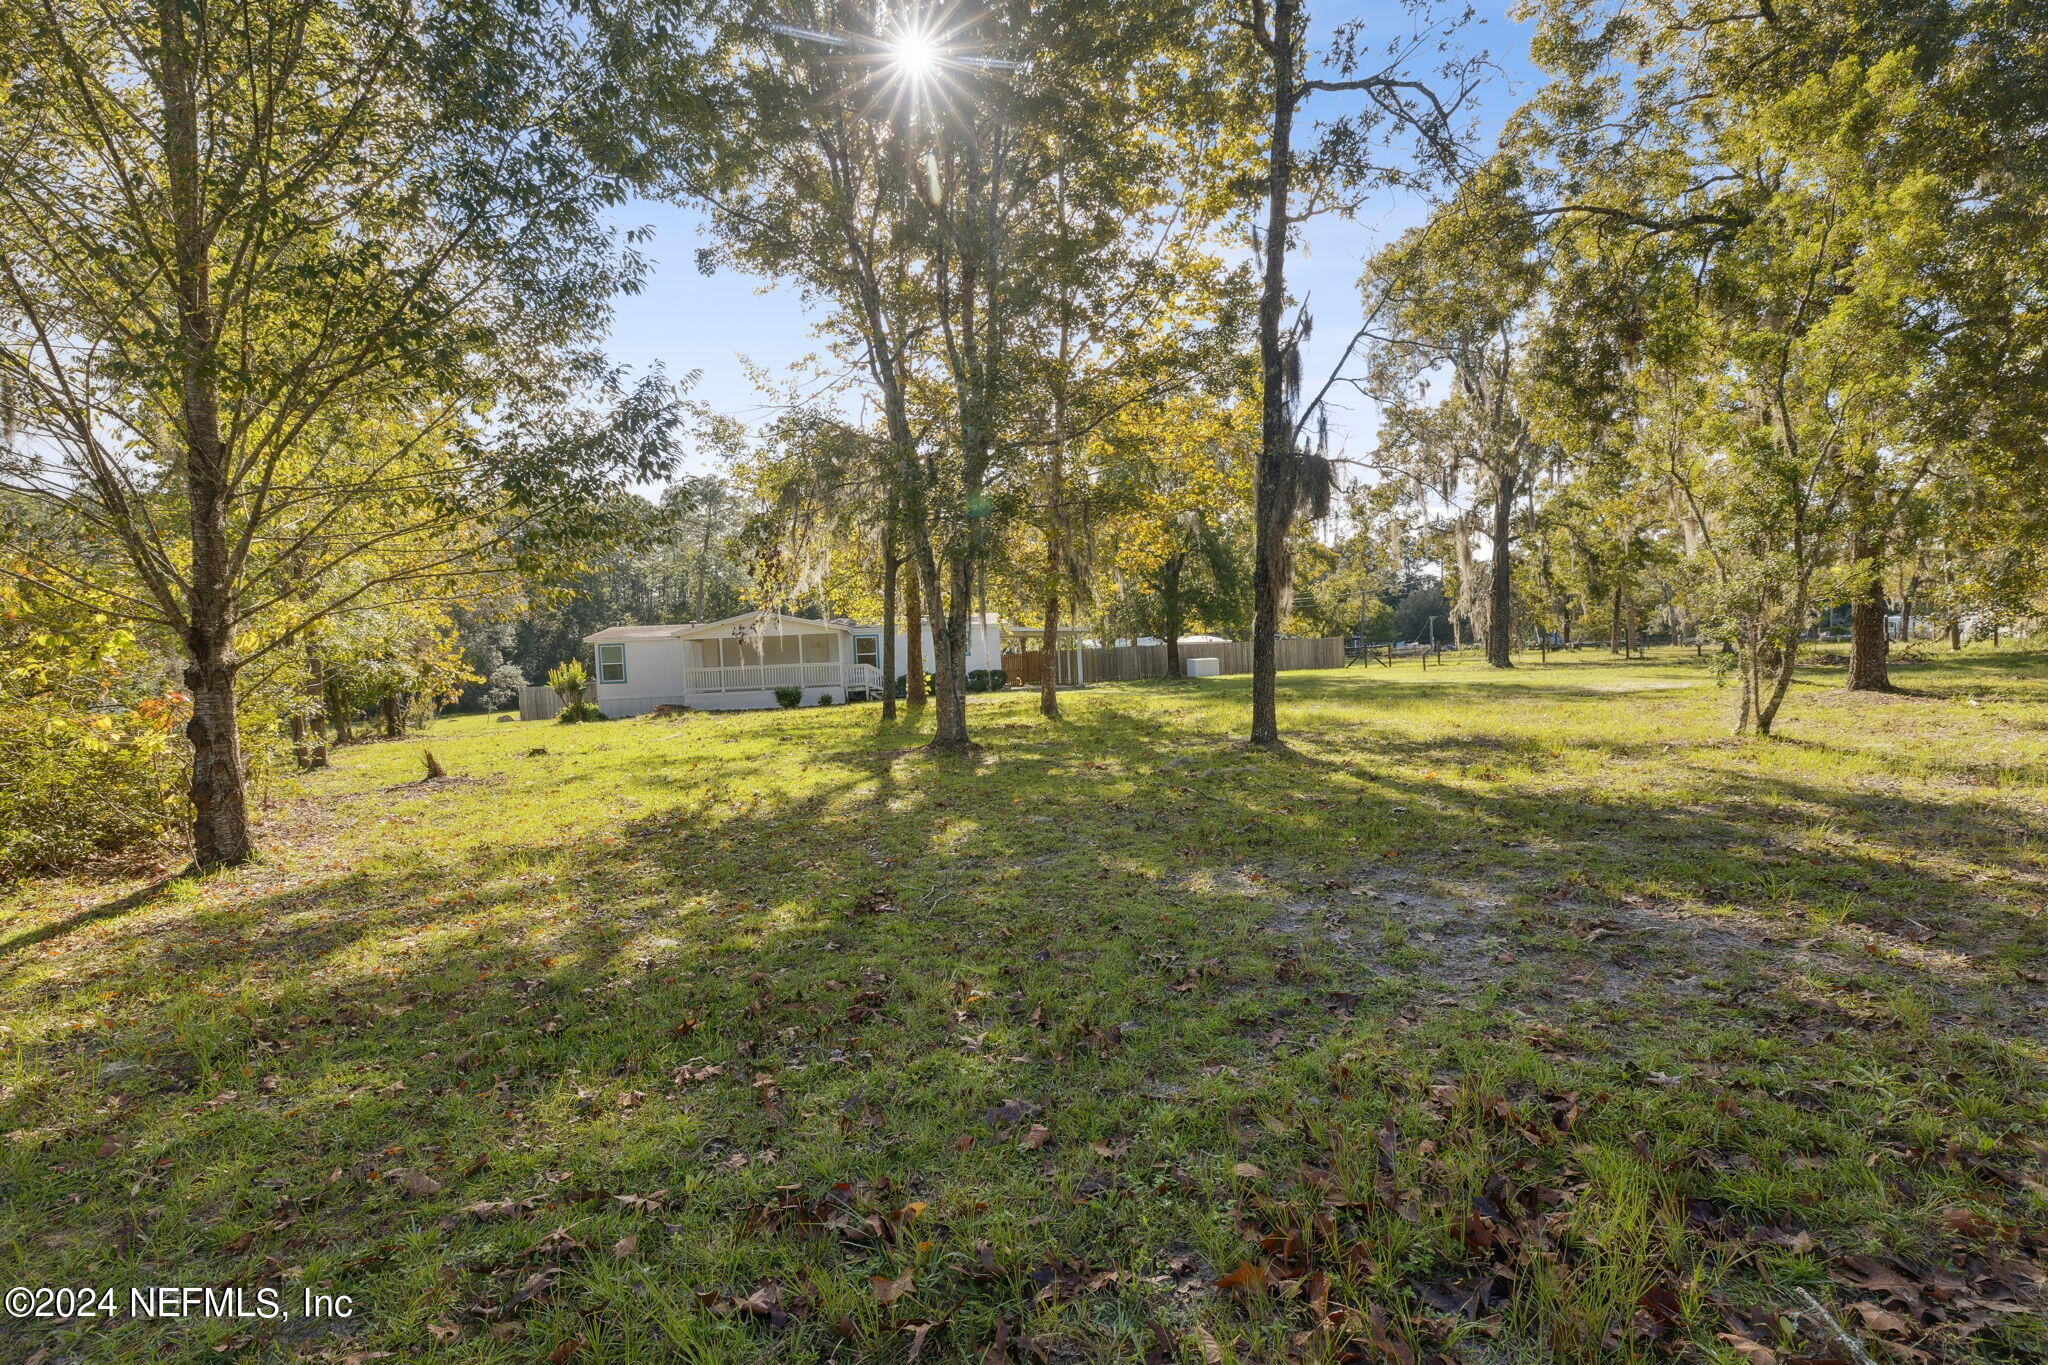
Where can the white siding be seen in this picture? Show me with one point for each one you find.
(654, 677)
(984, 647)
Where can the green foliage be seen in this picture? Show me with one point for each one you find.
(295, 319)
(88, 747)
(787, 697)
(571, 681)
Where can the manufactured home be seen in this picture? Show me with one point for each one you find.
(738, 663)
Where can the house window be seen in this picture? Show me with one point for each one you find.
(867, 649)
(611, 663)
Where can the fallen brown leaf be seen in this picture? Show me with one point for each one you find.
(888, 1290)
(1752, 1351)
(1877, 1319)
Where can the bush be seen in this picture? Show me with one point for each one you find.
(903, 685)
(571, 681)
(826, 699)
(580, 712)
(90, 752)
(787, 697)
(998, 679)
(505, 680)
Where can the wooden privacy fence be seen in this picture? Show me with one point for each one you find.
(539, 702)
(1127, 663)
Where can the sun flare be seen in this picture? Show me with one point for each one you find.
(915, 53)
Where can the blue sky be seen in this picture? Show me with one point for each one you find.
(689, 321)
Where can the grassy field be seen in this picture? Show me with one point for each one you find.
(1507, 1017)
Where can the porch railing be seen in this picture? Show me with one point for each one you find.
(768, 677)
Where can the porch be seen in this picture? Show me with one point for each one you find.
(766, 677)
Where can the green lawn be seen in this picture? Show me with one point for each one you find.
(1507, 1017)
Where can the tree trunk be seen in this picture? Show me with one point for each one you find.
(220, 808)
(892, 568)
(1955, 633)
(1055, 559)
(1049, 646)
(1869, 645)
(1169, 599)
(338, 711)
(394, 723)
(1501, 589)
(1614, 624)
(1276, 426)
(1746, 661)
(954, 600)
(1779, 662)
(913, 634)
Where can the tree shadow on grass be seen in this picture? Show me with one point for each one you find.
(95, 914)
(1087, 928)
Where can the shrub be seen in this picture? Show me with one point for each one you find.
(90, 752)
(903, 685)
(787, 697)
(571, 682)
(826, 699)
(977, 680)
(998, 679)
(505, 680)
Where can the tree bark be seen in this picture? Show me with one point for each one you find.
(1614, 624)
(1869, 642)
(954, 600)
(394, 724)
(1501, 589)
(892, 568)
(913, 636)
(1169, 600)
(1049, 645)
(220, 808)
(338, 709)
(1276, 427)
(1055, 559)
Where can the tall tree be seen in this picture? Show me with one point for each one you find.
(1461, 296)
(1311, 168)
(932, 179)
(245, 244)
